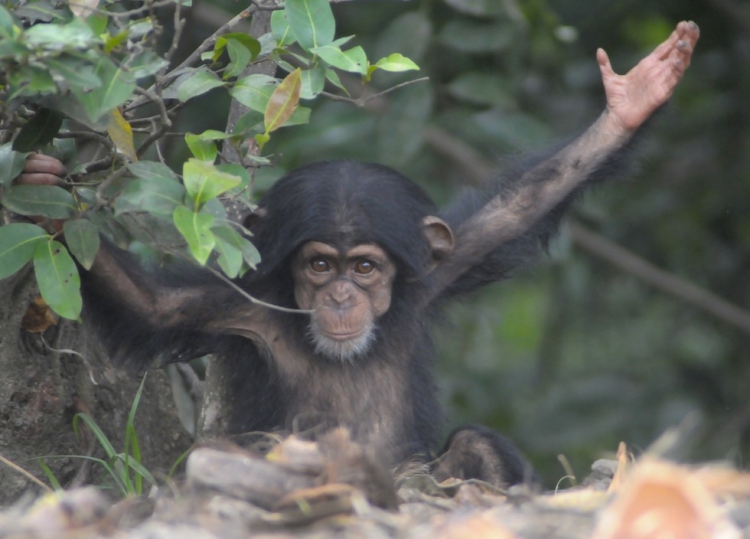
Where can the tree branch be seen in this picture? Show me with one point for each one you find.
(479, 169)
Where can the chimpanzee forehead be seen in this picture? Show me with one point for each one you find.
(344, 204)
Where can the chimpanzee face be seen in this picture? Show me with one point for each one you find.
(347, 290)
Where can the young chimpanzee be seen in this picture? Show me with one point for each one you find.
(363, 250)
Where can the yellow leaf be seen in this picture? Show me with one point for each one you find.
(121, 134)
(283, 101)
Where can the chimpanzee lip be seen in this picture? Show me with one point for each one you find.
(343, 336)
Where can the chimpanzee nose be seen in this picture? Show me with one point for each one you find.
(340, 292)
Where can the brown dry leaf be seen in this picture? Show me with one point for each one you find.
(38, 317)
(471, 526)
(722, 481)
(623, 462)
(83, 8)
(314, 495)
(584, 499)
(659, 500)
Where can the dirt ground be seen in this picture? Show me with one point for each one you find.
(334, 488)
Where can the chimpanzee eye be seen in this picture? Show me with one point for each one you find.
(364, 267)
(319, 265)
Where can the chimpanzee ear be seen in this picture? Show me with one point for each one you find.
(440, 237)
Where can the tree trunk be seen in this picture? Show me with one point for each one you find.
(219, 389)
(44, 384)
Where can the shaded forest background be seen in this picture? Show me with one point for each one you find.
(576, 354)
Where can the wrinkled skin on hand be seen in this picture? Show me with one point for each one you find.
(633, 97)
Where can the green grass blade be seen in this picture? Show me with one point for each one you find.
(139, 469)
(98, 433)
(178, 462)
(50, 475)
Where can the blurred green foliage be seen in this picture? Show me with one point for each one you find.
(574, 355)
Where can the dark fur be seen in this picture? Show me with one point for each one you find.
(343, 203)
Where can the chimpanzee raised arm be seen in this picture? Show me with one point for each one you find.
(363, 251)
(534, 200)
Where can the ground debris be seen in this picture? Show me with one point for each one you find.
(335, 488)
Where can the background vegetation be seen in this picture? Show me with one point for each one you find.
(577, 354)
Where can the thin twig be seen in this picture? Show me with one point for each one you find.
(23, 472)
(599, 246)
(392, 88)
(362, 100)
(124, 14)
(252, 299)
(657, 277)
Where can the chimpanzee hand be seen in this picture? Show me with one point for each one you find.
(633, 97)
(41, 169)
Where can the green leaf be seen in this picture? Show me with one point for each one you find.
(396, 62)
(204, 181)
(158, 197)
(478, 8)
(117, 86)
(75, 72)
(45, 200)
(311, 21)
(354, 60)
(476, 37)
(215, 134)
(228, 247)
(333, 78)
(151, 170)
(249, 123)
(235, 169)
(301, 115)
(249, 254)
(313, 82)
(17, 244)
(483, 89)
(98, 23)
(58, 279)
(82, 238)
(146, 64)
(198, 84)
(281, 30)
(139, 29)
(196, 229)
(58, 37)
(31, 81)
(6, 23)
(261, 139)
(283, 101)
(239, 57)
(11, 164)
(254, 91)
(242, 49)
(202, 149)
(39, 131)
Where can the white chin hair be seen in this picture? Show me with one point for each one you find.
(341, 350)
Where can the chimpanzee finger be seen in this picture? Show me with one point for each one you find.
(42, 169)
(38, 162)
